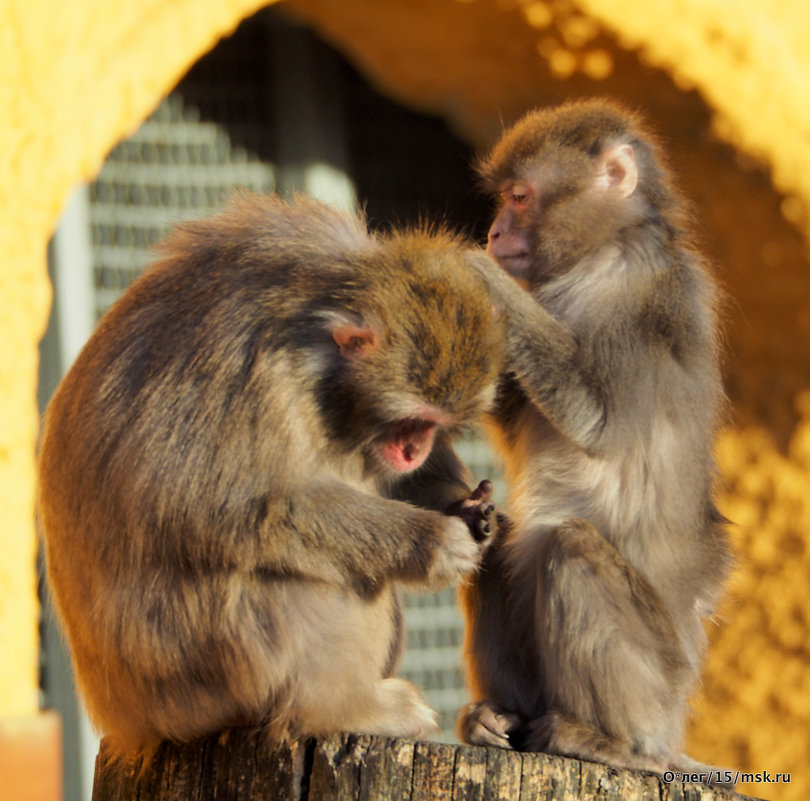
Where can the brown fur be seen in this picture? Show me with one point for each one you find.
(216, 485)
(585, 621)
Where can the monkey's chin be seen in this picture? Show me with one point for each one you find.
(408, 445)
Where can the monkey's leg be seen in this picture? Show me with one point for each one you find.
(398, 710)
(500, 662)
(387, 707)
(346, 651)
(615, 676)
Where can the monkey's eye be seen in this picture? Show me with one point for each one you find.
(517, 194)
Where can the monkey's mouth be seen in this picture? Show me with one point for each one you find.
(408, 444)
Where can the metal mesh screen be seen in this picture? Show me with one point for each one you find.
(174, 167)
(214, 133)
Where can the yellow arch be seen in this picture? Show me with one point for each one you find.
(749, 60)
(74, 78)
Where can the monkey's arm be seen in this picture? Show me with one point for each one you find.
(332, 532)
(546, 359)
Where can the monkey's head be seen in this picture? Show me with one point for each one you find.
(418, 349)
(570, 180)
(292, 316)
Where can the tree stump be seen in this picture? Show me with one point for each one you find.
(240, 765)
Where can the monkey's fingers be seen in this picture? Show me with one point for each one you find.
(486, 723)
(486, 523)
(483, 492)
(477, 511)
(480, 519)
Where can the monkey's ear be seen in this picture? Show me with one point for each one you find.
(355, 340)
(616, 169)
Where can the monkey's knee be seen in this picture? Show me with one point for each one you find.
(584, 573)
(578, 541)
(578, 569)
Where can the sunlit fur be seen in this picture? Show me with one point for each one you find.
(222, 539)
(585, 623)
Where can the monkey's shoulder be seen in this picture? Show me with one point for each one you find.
(679, 312)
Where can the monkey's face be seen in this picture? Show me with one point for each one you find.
(550, 214)
(565, 180)
(509, 240)
(422, 357)
(397, 395)
(372, 411)
(400, 427)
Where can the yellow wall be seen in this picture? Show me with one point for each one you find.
(749, 59)
(74, 78)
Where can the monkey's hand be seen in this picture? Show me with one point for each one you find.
(504, 290)
(477, 511)
(457, 555)
(487, 723)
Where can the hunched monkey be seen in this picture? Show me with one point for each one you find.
(585, 621)
(229, 475)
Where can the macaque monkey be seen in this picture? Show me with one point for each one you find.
(585, 621)
(248, 454)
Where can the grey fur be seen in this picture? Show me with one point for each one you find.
(585, 622)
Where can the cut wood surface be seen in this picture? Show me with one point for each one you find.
(240, 764)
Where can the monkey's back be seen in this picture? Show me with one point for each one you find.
(191, 398)
(155, 426)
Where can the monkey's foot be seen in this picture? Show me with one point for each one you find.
(403, 711)
(477, 511)
(486, 723)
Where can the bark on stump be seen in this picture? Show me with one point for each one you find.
(239, 764)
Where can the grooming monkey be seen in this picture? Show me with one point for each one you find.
(229, 475)
(585, 621)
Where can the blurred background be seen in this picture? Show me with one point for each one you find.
(386, 103)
